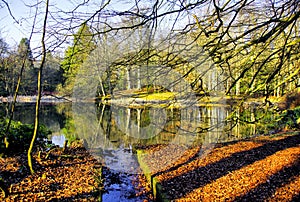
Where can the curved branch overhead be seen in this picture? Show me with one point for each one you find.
(253, 43)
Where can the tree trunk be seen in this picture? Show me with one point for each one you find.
(128, 78)
(139, 78)
(39, 86)
(14, 101)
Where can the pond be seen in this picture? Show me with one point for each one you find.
(112, 133)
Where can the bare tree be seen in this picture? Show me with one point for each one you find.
(39, 89)
(254, 44)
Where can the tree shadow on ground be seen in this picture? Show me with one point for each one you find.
(201, 176)
(18, 175)
(49, 177)
(267, 189)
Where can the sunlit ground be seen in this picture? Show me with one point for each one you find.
(262, 168)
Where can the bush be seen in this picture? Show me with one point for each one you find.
(19, 136)
(288, 119)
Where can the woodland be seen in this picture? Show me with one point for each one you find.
(233, 51)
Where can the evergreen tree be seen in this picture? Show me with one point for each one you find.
(3, 67)
(75, 55)
(25, 61)
(52, 73)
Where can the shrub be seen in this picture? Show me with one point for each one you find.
(19, 136)
(289, 119)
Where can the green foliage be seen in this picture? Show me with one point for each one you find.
(19, 136)
(69, 130)
(259, 61)
(269, 121)
(24, 59)
(52, 73)
(75, 56)
(289, 119)
(24, 52)
(11, 64)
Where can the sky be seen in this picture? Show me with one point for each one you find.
(13, 30)
(18, 24)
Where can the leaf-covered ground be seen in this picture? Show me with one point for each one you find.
(70, 176)
(258, 169)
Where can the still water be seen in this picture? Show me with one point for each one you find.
(113, 132)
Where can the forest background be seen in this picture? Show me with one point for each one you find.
(242, 49)
(253, 45)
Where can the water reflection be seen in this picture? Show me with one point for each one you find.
(49, 114)
(113, 132)
(58, 139)
(111, 127)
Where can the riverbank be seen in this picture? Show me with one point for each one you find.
(72, 175)
(32, 99)
(168, 100)
(263, 168)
